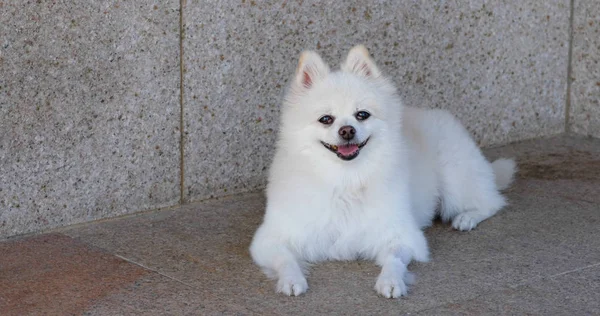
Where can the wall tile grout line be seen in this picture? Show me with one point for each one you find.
(181, 107)
(569, 66)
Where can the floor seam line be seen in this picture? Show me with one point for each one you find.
(547, 277)
(576, 270)
(157, 272)
(508, 286)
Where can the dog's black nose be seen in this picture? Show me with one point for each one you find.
(347, 132)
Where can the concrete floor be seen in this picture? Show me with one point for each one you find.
(540, 256)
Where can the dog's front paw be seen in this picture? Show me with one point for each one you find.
(391, 287)
(466, 221)
(292, 285)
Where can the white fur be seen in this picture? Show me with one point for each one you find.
(320, 207)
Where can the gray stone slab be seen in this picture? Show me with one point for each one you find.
(570, 162)
(537, 236)
(206, 246)
(501, 69)
(159, 295)
(52, 274)
(574, 293)
(89, 111)
(585, 76)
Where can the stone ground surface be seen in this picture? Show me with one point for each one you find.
(538, 256)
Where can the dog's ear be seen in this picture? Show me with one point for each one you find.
(311, 69)
(359, 62)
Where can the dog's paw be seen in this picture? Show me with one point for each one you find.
(292, 285)
(391, 287)
(466, 221)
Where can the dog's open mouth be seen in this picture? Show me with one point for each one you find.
(347, 151)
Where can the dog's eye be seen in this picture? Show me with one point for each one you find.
(362, 115)
(326, 119)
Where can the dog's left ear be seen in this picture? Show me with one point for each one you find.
(311, 69)
(359, 62)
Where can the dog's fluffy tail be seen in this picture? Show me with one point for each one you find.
(504, 170)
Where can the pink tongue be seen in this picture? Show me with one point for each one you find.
(347, 150)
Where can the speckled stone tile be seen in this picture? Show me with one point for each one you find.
(585, 76)
(537, 236)
(158, 295)
(56, 275)
(206, 246)
(573, 293)
(89, 111)
(499, 66)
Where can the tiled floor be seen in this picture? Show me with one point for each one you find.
(540, 255)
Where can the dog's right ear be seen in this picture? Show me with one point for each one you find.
(311, 69)
(359, 62)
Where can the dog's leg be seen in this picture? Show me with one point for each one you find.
(291, 280)
(471, 198)
(468, 184)
(394, 278)
(485, 200)
(279, 262)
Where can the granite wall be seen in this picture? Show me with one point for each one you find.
(89, 110)
(584, 111)
(500, 66)
(91, 94)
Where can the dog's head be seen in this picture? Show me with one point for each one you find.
(341, 115)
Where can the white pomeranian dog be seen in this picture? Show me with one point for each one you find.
(357, 175)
